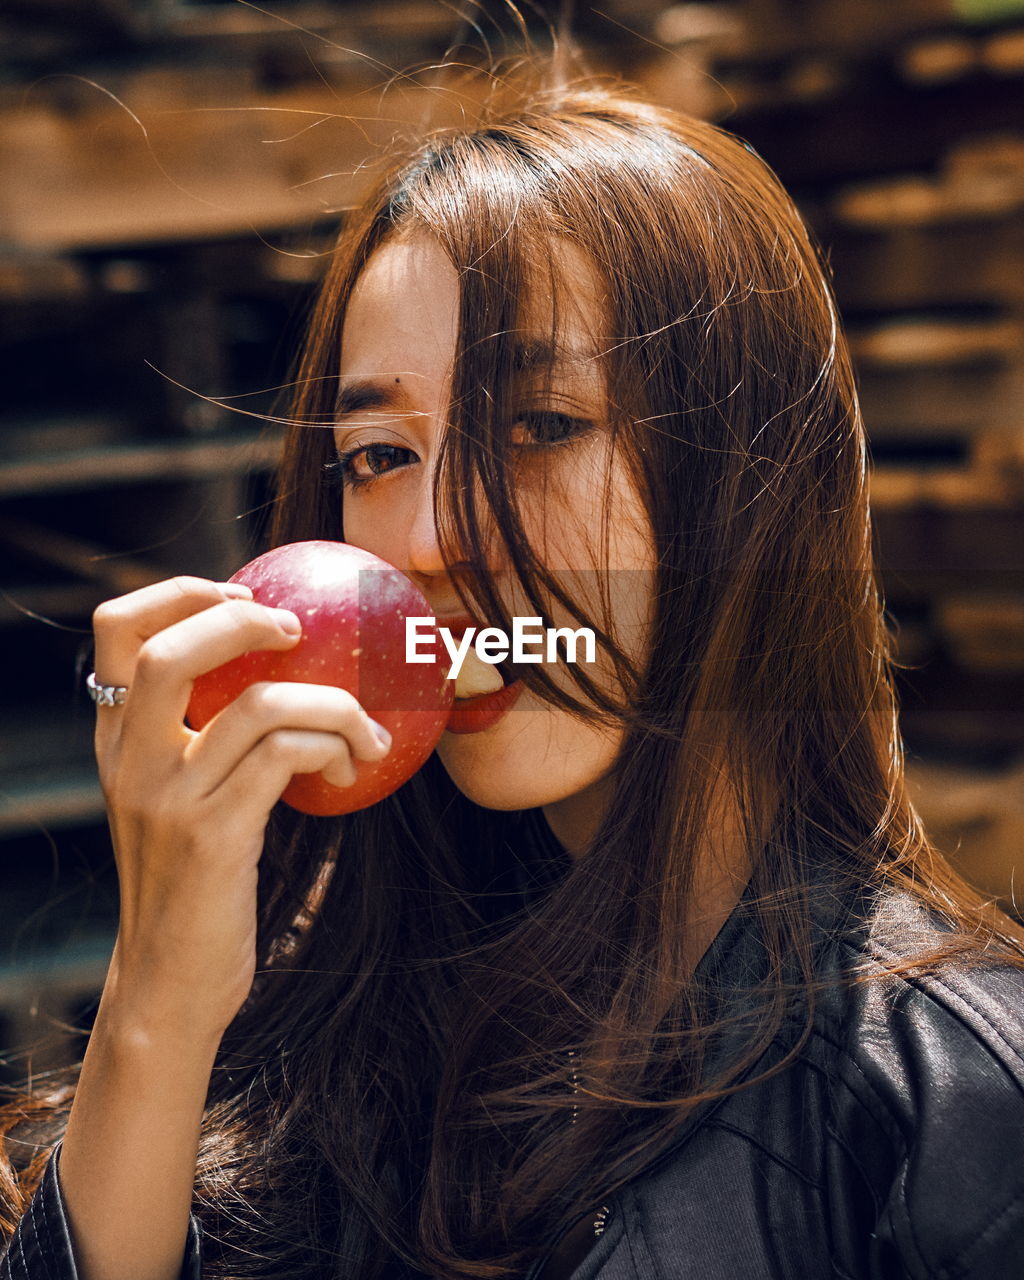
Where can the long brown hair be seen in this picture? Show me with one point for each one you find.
(397, 1088)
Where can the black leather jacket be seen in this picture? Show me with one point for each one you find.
(893, 1146)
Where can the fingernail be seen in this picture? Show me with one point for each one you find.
(235, 590)
(287, 621)
(383, 737)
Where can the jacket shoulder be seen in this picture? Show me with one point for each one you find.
(935, 1056)
(973, 1001)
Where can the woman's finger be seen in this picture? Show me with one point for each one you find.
(258, 782)
(270, 707)
(169, 662)
(124, 624)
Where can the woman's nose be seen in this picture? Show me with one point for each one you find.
(423, 549)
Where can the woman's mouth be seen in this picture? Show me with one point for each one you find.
(474, 714)
(484, 691)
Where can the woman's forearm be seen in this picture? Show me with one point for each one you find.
(127, 1164)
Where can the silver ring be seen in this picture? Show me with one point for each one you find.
(105, 695)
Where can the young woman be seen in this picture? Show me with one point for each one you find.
(652, 974)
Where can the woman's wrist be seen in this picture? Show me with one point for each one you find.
(141, 1008)
(128, 1158)
(140, 1022)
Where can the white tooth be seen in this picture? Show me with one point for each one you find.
(477, 677)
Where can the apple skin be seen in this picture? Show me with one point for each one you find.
(352, 606)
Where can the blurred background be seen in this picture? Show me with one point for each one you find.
(171, 173)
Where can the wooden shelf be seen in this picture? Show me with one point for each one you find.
(818, 144)
(968, 263)
(50, 799)
(58, 600)
(43, 996)
(75, 964)
(135, 462)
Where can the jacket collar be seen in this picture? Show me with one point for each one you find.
(736, 980)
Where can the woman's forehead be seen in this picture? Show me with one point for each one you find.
(409, 284)
(569, 300)
(401, 320)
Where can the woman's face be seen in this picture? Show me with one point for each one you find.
(398, 348)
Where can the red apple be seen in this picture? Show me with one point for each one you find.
(352, 606)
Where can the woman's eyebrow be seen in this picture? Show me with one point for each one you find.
(368, 393)
(535, 353)
(530, 355)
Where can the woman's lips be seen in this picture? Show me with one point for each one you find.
(473, 715)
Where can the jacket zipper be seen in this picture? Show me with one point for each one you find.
(603, 1214)
(601, 1220)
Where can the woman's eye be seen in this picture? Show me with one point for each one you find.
(541, 428)
(364, 463)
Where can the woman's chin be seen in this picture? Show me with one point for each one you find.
(534, 756)
(496, 768)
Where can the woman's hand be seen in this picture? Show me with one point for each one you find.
(188, 810)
